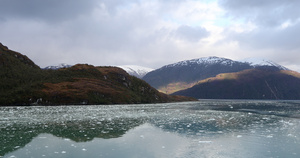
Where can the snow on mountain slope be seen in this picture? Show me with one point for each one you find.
(204, 60)
(254, 62)
(137, 71)
(262, 62)
(63, 65)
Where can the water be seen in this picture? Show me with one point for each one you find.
(208, 128)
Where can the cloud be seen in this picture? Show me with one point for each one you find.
(280, 45)
(264, 28)
(268, 13)
(46, 10)
(192, 34)
(274, 24)
(149, 33)
(105, 33)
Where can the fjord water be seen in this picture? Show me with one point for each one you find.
(208, 128)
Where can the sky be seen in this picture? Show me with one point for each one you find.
(151, 33)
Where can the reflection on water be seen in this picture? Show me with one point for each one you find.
(209, 128)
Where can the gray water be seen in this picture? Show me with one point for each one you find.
(208, 128)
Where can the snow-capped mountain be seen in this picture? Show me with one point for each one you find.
(191, 71)
(137, 71)
(262, 62)
(58, 66)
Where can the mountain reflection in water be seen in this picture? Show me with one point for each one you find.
(208, 128)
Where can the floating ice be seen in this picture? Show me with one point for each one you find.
(205, 141)
(184, 129)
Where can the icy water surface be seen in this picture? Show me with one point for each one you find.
(208, 128)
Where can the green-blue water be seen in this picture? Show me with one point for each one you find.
(208, 128)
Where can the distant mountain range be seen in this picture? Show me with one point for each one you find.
(137, 71)
(219, 78)
(22, 82)
(63, 65)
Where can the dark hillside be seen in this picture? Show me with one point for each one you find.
(260, 83)
(18, 76)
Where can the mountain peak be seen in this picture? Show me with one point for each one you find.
(214, 60)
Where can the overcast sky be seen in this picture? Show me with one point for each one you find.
(151, 33)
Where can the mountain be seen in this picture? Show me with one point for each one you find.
(185, 74)
(258, 83)
(137, 71)
(24, 83)
(58, 66)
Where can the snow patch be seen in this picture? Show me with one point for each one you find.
(262, 62)
(135, 70)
